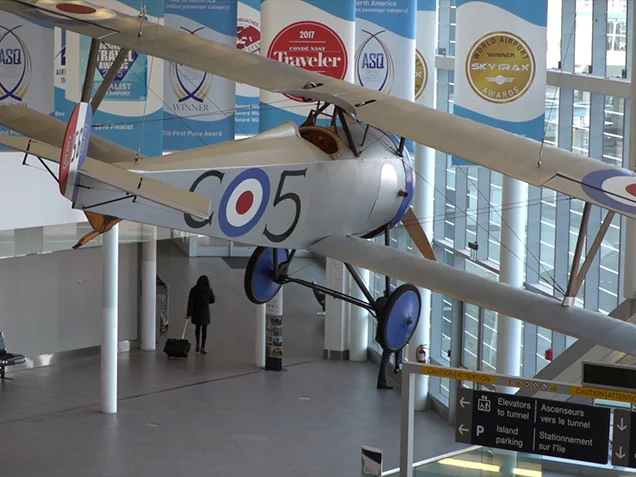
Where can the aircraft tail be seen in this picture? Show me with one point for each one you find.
(75, 149)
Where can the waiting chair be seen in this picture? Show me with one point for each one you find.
(8, 359)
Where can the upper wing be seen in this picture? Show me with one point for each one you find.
(505, 152)
(44, 128)
(135, 184)
(493, 295)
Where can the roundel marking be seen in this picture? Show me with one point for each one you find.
(75, 8)
(244, 202)
(66, 12)
(612, 188)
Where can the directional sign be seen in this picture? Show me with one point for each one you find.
(530, 425)
(624, 440)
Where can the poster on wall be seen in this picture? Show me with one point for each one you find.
(316, 35)
(199, 107)
(248, 39)
(26, 65)
(385, 48)
(500, 65)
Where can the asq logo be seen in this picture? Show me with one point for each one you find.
(374, 64)
(15, 66)
(188, 83)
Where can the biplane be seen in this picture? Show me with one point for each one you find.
(325, 189)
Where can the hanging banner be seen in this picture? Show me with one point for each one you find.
(199, 107)
(62, 106)
(317, 35)
(426, 37)
(131, 113)
(248, 39)
(385, 48)
(26, 65)
(500, 65)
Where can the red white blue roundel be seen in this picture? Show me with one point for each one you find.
(66, 12)
(244, 202)
(613, 188)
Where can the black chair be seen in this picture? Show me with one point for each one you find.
(8, 359)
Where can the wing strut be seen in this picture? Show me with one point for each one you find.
(578, 276)
(109, 78)
(89, 76)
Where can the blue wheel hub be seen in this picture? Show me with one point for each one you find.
(401, 315)
(260, 286)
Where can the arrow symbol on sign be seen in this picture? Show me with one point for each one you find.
(462, 429)
(622, 426)
(620, 454)
(463, 402)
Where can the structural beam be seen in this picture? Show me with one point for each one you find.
(89, 76)
(109, 78)
(576, 279)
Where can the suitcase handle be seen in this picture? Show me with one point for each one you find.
(184, 328)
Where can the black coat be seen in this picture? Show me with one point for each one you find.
(199, 305)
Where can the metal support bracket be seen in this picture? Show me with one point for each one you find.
(578, 276)
(363, 287)
(106, 202)
(109, 78)
(347, 131)
(332, 293)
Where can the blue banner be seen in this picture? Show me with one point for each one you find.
(63, 107)
(317, 35)
(385, 48)
(131, 112)
(199, 107)
(500, 65)
(248, 39)
(130, 84)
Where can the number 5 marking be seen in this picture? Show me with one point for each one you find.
(280, 197)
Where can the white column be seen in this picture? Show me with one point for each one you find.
(110, 270)
(149, 293)
(513, 226)
(629, 270)
(336, 324)
(260, 325)
(359, 320)
(424, 211)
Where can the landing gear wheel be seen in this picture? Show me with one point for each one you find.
(259, 283)
(399, 317)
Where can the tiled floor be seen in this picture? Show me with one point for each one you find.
(213, 415)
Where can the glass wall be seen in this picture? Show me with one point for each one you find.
(585, 38)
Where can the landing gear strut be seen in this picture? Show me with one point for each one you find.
(398, 313)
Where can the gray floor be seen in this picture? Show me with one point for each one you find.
(213, 415)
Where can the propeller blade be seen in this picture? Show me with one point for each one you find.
(417, 234)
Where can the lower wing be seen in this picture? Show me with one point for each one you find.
(127, 181)
(493, 295)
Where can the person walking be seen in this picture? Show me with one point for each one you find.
(199, 301)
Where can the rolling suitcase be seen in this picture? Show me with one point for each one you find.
(176, 348)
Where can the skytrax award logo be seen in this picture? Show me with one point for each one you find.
(500, 67)
(15, 66)
(421, 74)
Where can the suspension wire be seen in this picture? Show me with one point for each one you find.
(485, 229)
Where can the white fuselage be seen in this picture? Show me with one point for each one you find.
(274, 190)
